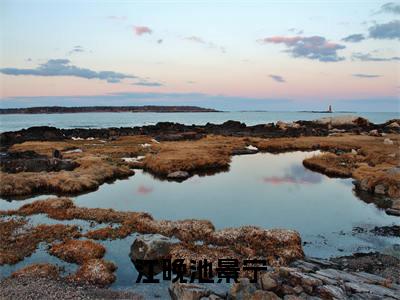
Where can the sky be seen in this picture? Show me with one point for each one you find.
(232, 55)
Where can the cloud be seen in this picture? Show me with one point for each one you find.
(148, 83)
(390, 7)
(354, 38)
(62, 67)
(366, 75)
(389, 30)
(295, 175)
(296, 31)
(277, 78)
(313, 47)
(199, 40)
(140, 30)
(195, 39)
(76, 49)
(369, 57)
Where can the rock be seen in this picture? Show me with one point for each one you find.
(178, 175)
(388, 141)
(281, 125)
(151, 247)
(95, 271)
(187, 291)
(374, 132)
(267, 282)
(393, 171)
(393, 212)
(291, 297)
(243, 289)
(77, 251)
(331, 292)
(380, 189)
(15, 163)
(38, 270)
(343, 120)
(244, 151)
(393, 125)
(264, 295)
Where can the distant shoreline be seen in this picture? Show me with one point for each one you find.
(96, 109)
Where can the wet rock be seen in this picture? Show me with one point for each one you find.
(178, 175)
(38, 270)
(393, 212)
(151, 247)
(77, 251)
(95, 271)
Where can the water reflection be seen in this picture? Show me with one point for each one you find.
(295, 175)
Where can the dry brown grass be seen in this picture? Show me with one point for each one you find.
(77, 251)
(18, 240)
(278, 245)
(92, 172)
(209, 153)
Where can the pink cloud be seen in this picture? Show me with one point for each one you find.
(312, 47)
(144, 190)
(139, 30)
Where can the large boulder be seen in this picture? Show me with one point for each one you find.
(154, 247)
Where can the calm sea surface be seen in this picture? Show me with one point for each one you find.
(104, 120)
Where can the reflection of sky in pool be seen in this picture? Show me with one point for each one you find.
(267, 190)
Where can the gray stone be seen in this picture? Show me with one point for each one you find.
(188, 291)
(178, 175)
(151, 247)
(393, 171)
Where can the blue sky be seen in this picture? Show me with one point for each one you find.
(286, 55)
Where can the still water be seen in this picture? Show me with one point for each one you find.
(105, 120)
(266, 190)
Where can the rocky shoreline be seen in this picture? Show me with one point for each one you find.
(46, 160)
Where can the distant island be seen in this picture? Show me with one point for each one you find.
(92, 109)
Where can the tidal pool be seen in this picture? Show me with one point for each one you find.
(266, 190)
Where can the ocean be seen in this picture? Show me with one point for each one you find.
(126, 119)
